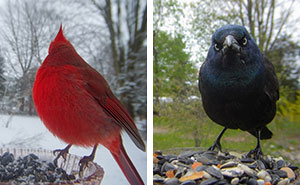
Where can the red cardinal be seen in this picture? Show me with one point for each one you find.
(76, 104)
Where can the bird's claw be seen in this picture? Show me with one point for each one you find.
(256, 154)
(83, 163)
(212, 148)
(217, 145)
(61, 153)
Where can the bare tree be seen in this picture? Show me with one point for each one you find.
(26, 35)
(266, 20)
(127, 25)
(259, 16)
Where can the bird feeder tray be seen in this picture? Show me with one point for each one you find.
(92, 174)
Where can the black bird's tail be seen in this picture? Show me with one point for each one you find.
(264, 134)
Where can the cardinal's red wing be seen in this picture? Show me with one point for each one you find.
(99, 89)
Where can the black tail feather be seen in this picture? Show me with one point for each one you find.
(265, 133)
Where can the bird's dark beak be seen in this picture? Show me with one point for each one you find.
(230, 44)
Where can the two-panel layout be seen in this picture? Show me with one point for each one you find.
(76, 105)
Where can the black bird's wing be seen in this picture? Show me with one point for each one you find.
(271, 89)
(272, 86)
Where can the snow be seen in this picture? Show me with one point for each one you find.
(30, 132)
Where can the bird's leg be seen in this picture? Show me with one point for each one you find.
(86, 159)
(61, 153)
(257, 152)
(217, 142)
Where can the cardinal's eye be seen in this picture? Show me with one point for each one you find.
(245, 41)
(217, 48)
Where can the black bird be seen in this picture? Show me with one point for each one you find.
(238, 85)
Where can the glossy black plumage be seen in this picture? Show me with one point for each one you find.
(238, 85)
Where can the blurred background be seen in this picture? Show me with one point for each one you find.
(111, 35)
(182, 34)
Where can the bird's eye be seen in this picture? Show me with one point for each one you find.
(245, 41)
(217, 47)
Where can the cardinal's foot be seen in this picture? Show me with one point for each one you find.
(255, 154)
(61, 153)
(83, 163)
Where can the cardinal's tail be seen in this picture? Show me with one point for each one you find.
(127, 167)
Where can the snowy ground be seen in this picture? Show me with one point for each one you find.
(30, 132)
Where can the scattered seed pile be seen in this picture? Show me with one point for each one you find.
(30, 169)
(213, 168)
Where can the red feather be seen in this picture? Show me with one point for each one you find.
(76, 104)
